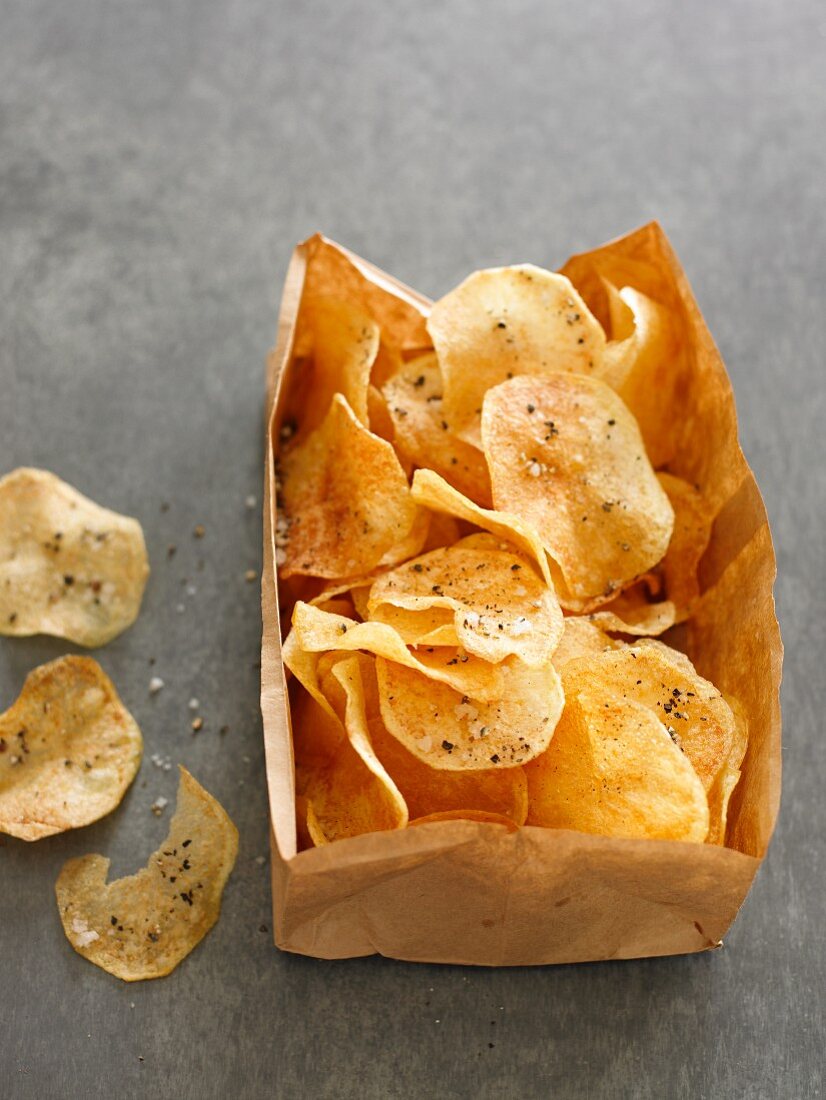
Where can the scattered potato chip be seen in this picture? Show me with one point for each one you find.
(612, 769)
(426, 790)
(344, 342)
(640, 363)
(143, 925)
(424, 437)
(696, 716)
(581, 638)
(457, 731)
(69, 750)
(432, 491)
(318, 631)
(566, 456)
(347, 790)
(67, 566)
(500, 606)
(484, 816)
(344, 498)
(504, 322)
(691, 535)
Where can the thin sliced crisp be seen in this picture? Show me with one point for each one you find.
(632, 612)
(581, 638)
(696, 716)
(432, 626)
(426, 790)
(424, 437)
(432, 491)
(641, 364)
(344, 341)
(344, 499)
(68, 567)
(566, 455)
(484, 816)
(612, 769)
(143, 925)
(412, 543)
(69, 750)
(501, 607)
(503, 322)
(689, 540)
(318, 631)
(459, 732)
(347, 789)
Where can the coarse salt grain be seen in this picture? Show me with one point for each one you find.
(534, 469)
(155, 685)
(159, 805)
(465, 710)
(193, 703)
(250, 502)
(521, 626)
(425, 744)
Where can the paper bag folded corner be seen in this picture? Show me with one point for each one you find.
(475, 892)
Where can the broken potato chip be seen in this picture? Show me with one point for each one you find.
(68, 567)
(69, 750)
(142, 926)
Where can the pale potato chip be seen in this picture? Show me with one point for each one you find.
(424, 627)
(68, 750)
(423, 436)
(566, 456)
(143, 925)
(696, 716)
(344, 341)
(501, 607)
(459, 732)
(612, 769)
(67, 566)
(483, 816)
(347, 790)
(426, 790)
(432, 491)
(689, 540)
(581, 638)
(504, 322)
(344, 499)
(639, 363)
(317, 631)
(412, 542)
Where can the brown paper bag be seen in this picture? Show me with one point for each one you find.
(478, 893)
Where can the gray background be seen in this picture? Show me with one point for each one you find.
(158, 160)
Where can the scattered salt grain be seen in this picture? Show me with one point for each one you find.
(250, 502)
(159, 805)
(193, 703)
(155, 685)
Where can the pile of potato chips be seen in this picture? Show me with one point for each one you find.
(479, 548)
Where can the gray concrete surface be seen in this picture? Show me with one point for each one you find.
(158, 160)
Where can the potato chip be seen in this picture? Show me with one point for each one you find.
(424, 627)
(412, 542)
(69, 750)
(67, 566)
(426, 790)
(467, 815)
(696, 716)
(344, 342)
(639, 363)
(504, 322)
(500, 606)
(631, 612)
(566, 456)
(581, 638)
(432, 491)
(143, 925)
(317, 631)
(344, 498)
(347, 790)
(455, 731)
(612, 769)
(380, 421)
(444, 530)
(423, 436)
(691, 535)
